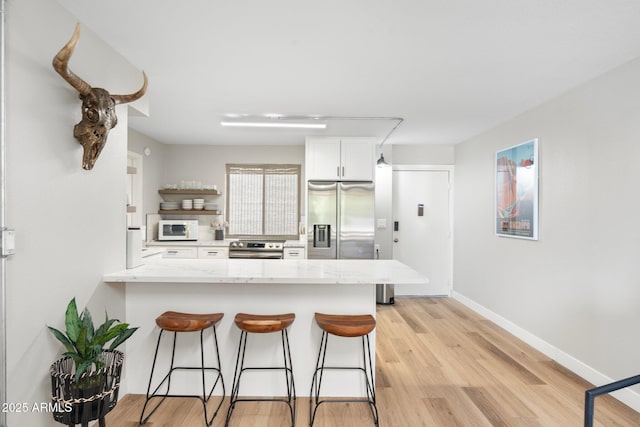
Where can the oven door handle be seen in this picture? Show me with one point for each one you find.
(256, 255)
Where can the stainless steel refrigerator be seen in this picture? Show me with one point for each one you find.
(340, 220)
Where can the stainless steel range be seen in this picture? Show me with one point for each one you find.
(257, 249)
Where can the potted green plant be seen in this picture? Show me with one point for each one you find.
(85, 381)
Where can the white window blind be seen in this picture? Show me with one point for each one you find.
(263, 200)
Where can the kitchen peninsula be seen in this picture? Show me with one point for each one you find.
(253, 286)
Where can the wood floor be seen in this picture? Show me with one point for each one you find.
(438, 364)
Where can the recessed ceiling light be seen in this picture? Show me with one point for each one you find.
(275, 124)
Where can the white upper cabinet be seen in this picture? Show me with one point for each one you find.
(322, 158)
(340, 159)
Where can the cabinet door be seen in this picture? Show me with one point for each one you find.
(358, 158)
(213, 252)
(322, 159)
(181, 252)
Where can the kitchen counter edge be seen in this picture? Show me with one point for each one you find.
(254, 271)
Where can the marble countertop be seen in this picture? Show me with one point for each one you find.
(268, 272)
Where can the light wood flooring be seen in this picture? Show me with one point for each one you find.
(438, 364)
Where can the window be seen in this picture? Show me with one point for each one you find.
(263, 200)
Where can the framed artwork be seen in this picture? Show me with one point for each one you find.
(516, 197)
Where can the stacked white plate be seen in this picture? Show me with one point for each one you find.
(169, 206)
(210, 206)
(187, 204)
(198, 204)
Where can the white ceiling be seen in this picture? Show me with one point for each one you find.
(450, 68)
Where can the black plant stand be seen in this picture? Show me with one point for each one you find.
(91, 397)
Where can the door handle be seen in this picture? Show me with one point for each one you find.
(395, 240)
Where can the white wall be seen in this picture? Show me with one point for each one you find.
(433, 154)
(206, 163)
(153, 171)
(70, 223)
(577, 289)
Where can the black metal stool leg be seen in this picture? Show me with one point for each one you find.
(288, 369)
(205, 396)
(371, 389)
(167, 378)
(233, 397)
(219, 378)
(240, 369)
(316, 382)
(150, 395)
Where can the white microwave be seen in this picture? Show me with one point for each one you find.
(177, 229)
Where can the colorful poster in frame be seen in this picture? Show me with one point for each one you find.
(516, 197)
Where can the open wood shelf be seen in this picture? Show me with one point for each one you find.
(188, 212)
(191, 192)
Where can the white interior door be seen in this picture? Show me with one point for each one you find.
(423, 239)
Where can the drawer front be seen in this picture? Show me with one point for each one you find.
(293, 253)
(220, 253)
(178, 252)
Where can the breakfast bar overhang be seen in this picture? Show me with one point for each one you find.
(254, 286)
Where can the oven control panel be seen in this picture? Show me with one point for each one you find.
(256, 249)
(256, 245)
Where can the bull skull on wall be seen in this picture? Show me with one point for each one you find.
(98, 106)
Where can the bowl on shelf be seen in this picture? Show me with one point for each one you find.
(198, 204)
(169, 206)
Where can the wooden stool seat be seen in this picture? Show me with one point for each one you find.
(187, 322)
(346, 325)
(264, 323)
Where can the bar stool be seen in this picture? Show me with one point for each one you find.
(261, 324)
(344, 326)
(175, 322)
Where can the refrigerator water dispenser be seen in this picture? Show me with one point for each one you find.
(321, 235)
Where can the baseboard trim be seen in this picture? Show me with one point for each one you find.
(626, 396)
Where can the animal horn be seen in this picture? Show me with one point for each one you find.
(123, 99)
(61, 64)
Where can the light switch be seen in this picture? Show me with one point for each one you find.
(382, 223)
(8, 242)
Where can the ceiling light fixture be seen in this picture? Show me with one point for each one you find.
(381, 162)
(275, 124)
